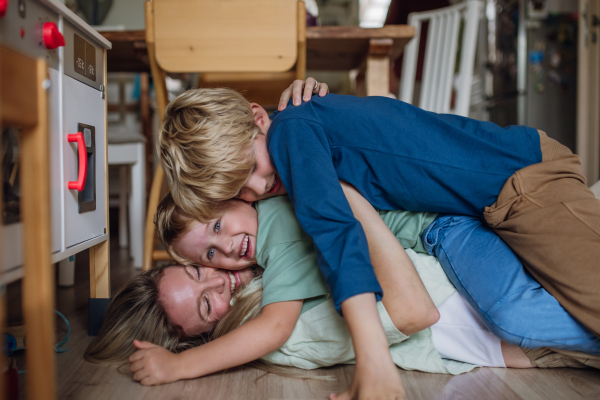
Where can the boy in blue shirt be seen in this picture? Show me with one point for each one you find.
(529, 188)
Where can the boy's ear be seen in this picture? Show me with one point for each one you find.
(261, 118)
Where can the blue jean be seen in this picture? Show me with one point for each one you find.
(510, 302)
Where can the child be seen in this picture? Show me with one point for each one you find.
(528, 187)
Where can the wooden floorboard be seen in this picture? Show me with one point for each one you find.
(78, 379)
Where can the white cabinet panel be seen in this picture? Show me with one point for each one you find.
(56, 208)
(82, 104)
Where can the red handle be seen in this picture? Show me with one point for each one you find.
(80, 184)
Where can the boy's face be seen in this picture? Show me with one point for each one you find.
(196, 297)
(228, 242)
(264, 181)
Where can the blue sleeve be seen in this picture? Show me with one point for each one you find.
(301, 154)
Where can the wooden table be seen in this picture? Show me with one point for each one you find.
(328, 48)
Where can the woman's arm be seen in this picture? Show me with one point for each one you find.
(405, 298)
(154, 365)
(302, 89)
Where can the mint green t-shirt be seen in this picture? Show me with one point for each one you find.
(288, 255)
(321, 337)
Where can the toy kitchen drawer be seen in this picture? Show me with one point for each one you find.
(75, 54)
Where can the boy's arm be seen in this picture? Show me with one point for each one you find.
(406, 300)
(303, 158)
(154, 365)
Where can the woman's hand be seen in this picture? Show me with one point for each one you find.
(376, 376)
(153, 365)
(300, 91)
(374, 380)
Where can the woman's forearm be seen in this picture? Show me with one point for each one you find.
(364, 324)
(405, 298)
(376, 375)
(251, 341)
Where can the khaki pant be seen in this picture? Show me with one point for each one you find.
(551, 220)
(553, 358)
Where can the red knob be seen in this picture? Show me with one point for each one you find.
(79, 184)
(3, 7)
(52, 37)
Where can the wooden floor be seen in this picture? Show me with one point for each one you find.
(78, 379)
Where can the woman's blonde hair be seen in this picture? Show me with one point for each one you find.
(206, 148)
(137, 313)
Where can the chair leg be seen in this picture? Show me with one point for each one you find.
(137, 206)
(123, 189)
(150, 234)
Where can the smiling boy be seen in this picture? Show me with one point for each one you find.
(237, 252)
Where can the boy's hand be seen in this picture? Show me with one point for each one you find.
(153, 365)
(300, 91)
(374, 379)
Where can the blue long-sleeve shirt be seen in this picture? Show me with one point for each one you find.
(398, 157)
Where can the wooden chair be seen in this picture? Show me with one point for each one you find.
(231, 41)
(441, 53)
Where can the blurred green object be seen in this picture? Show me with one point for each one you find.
(94, 11)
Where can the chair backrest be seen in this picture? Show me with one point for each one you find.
(225, 36)
(442, 53)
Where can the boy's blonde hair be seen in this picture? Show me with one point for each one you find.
(206, 149)
(171, 223)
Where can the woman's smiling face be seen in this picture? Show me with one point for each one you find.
(228, 242)
(197, 297)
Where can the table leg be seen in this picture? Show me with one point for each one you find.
(123, 197)
(137, 206)
(99, 285)
(100, 257)
(378, 67)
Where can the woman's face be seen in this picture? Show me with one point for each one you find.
(196, 297)
(228, 242)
